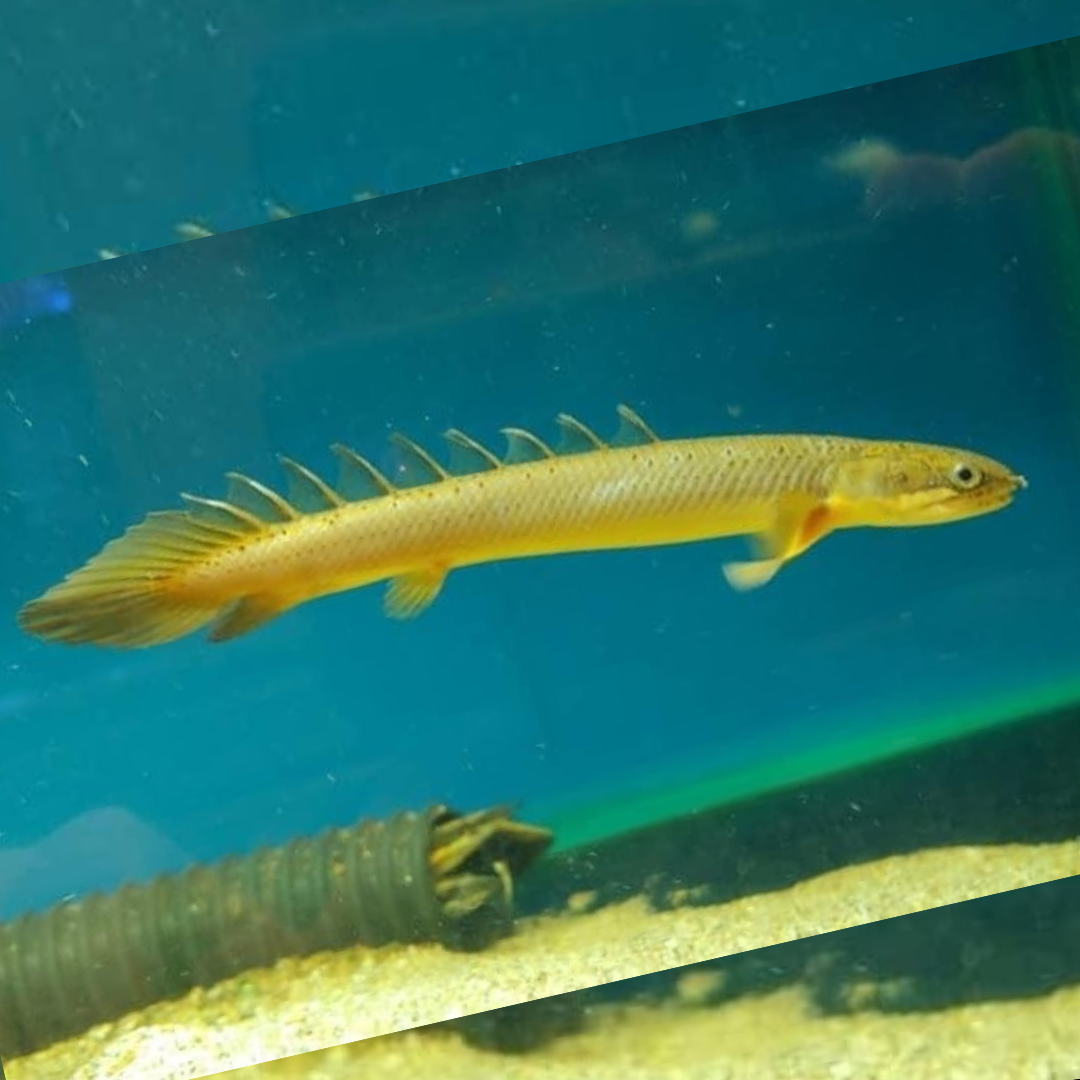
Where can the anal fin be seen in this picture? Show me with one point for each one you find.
(409, 594)
(246, 614)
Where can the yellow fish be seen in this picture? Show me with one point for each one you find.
(241, 561)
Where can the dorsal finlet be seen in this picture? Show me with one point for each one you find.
(260, 491)
(525, 446)
(465, 442)
(632, 429)
(349, 457)
(301, 476)
(216, 512)
(403, 442)
(573, 429)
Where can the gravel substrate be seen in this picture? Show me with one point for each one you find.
(776, 1037)
(329, 999)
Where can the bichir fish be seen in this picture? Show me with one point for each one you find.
(238, 562)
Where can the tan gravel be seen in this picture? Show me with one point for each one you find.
(776, 1037)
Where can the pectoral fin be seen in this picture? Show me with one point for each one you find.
(799, 524)
(744, 576)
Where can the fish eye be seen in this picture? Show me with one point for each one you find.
(966, 476)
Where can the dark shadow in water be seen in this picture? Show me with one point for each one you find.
(1014, 785)
(1015, 945)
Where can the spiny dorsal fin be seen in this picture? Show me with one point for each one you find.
(576, 437)
(469, 456)
(417, 465)
(221, 516)
(524, 446)
(258, 499)
(359, 478)
(308, 492)
(633, 431)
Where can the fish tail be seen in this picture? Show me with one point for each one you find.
(139, 589)
(131, 594)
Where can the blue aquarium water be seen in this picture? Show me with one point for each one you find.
(123, 118)
(897, 261)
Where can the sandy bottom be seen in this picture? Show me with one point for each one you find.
(338, 998)
(776, 1037)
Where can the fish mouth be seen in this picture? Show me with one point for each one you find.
(1018, 482)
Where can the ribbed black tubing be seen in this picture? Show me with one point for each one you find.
(95, 959)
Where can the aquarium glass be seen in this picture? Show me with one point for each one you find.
(893, 262)
(124, 119)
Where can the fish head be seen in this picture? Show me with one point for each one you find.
(904, 484)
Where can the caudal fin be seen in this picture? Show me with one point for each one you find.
(127, 595)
